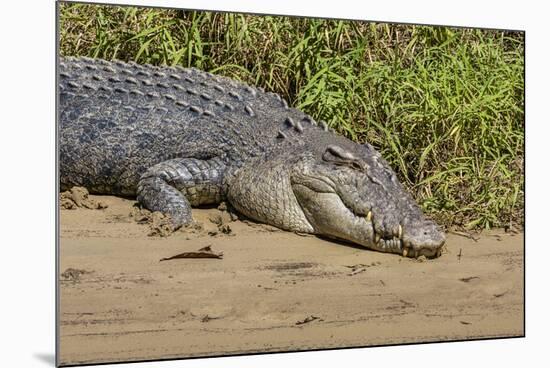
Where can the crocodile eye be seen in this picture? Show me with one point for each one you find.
(339, 156)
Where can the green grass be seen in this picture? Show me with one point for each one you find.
(444, 106)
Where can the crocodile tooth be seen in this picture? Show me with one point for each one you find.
(376, 238)
(369, 216)
(405, 251)
(400, 232)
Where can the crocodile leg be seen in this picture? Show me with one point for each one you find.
(173, 186)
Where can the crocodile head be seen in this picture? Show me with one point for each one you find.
(348, 191)
(336, 188)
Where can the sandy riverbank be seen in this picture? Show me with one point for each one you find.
(272, 291)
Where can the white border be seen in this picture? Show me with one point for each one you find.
(27, 181)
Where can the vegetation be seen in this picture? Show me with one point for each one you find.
(445, 106)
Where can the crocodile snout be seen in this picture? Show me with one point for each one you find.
(422, 238)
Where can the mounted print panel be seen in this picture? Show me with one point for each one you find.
(238, 183)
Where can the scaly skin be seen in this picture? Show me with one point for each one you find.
(177, 138)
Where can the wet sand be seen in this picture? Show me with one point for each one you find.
(272, 291)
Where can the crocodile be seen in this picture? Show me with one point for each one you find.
(176, 138)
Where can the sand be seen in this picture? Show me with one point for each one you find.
(271, 290)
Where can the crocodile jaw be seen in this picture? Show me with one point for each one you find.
(329, 216)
